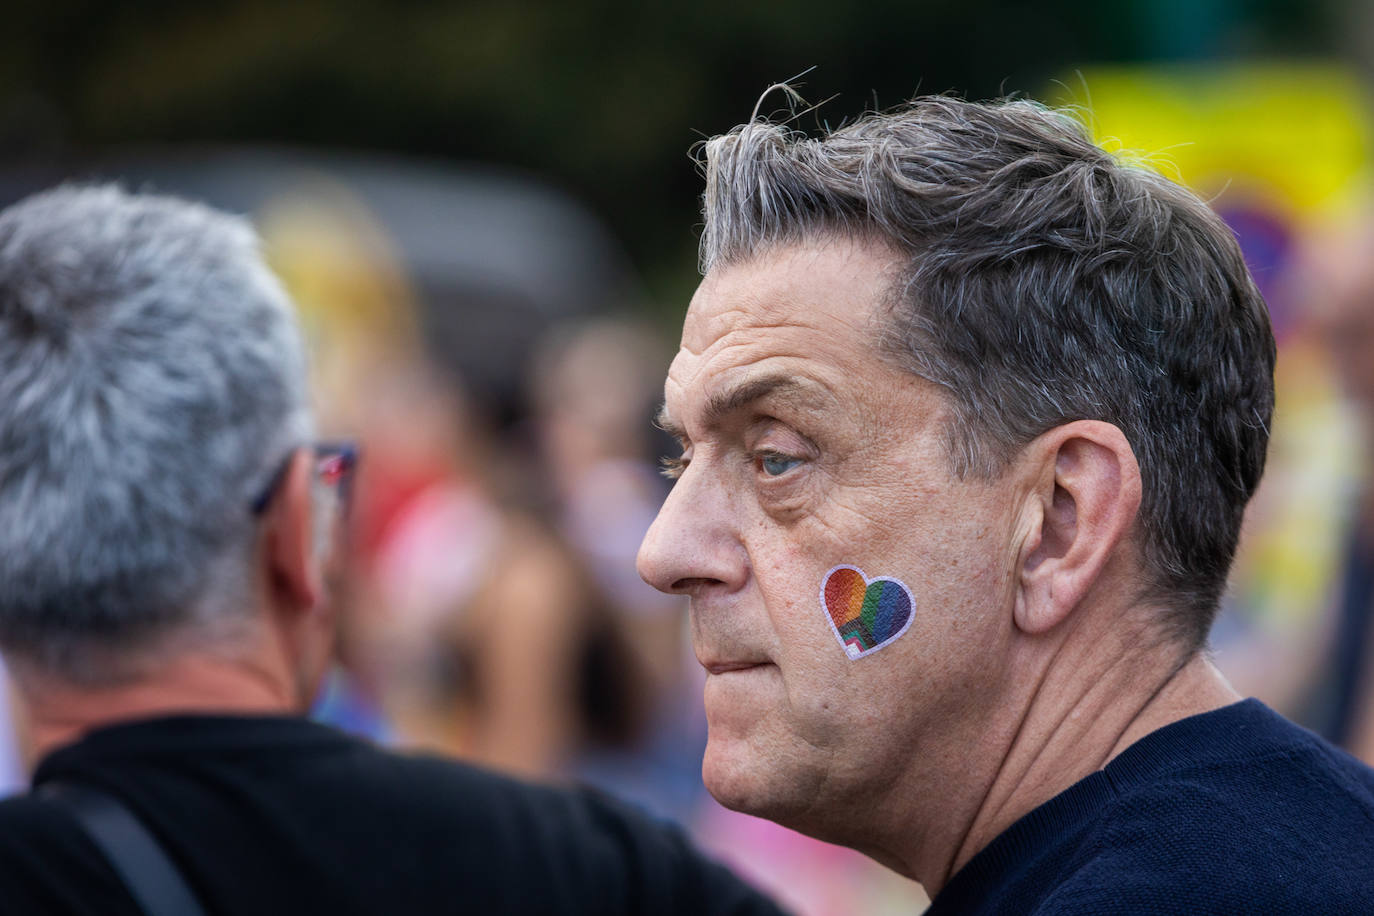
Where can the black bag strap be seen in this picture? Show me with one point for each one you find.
(135, 855)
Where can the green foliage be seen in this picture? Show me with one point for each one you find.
(603, 97)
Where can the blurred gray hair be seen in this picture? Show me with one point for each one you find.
(1044, 280)
(151, 378)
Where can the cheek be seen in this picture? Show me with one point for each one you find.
(954, 542)
(829, 697)
(963, 577)
(962, 622)
(947, 553)
(789, 587)
(890, 621)
(811, 664)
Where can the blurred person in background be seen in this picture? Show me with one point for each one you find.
(423, 292)
(168, 540)
(593, 389)
(1314, 658)
(1340, 692)
(472, 622)
(969, 412)
(593, 386)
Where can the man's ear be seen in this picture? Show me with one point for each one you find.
(292, 575)
(1084, 505)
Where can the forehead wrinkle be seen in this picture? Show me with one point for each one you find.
(780, 300)
(786, 386)
(719, 360)
(767, 309)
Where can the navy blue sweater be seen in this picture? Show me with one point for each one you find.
(1233, 811)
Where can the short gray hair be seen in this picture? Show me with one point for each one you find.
(1044, 280)
(151, 376)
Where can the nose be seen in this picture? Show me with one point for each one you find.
(694, 542)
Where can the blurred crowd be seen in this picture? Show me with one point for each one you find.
(1296, 628)
(491, 606)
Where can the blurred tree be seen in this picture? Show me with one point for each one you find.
(603, 96)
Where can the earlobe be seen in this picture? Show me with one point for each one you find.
(291, 573)
(1080, 512)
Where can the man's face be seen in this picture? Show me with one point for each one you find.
(805, 450)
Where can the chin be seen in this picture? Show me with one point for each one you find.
(739, 793)
(746, 781)
(789, 789)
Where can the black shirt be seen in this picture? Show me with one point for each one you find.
(1232, 811)
(270, 815)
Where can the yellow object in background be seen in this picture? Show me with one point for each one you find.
(1282, 151)
(1298, 133)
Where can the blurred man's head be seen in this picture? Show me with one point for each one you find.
(152, 386)
(961, 350)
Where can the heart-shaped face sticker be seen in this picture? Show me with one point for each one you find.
(866, 614)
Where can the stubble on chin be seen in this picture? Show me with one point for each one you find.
(757, 776)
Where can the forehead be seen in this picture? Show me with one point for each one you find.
(813, 309)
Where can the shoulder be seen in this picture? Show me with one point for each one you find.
(1232, 811)
(542, 841)
(47, 865)
(1286, 831)
(28, 824)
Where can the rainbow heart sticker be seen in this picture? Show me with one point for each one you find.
(866, 614)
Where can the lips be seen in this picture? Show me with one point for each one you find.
(727, 637)
(714, 667)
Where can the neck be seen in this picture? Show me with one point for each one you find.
(1093, 696)
(59, 712)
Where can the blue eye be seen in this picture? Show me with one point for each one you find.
(775, 465)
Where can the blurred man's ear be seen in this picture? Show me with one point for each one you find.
(291, 567)
(1082, 507)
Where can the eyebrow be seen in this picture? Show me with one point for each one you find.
(723, 403)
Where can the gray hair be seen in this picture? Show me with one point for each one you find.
(151, 377)
(1044, 280)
